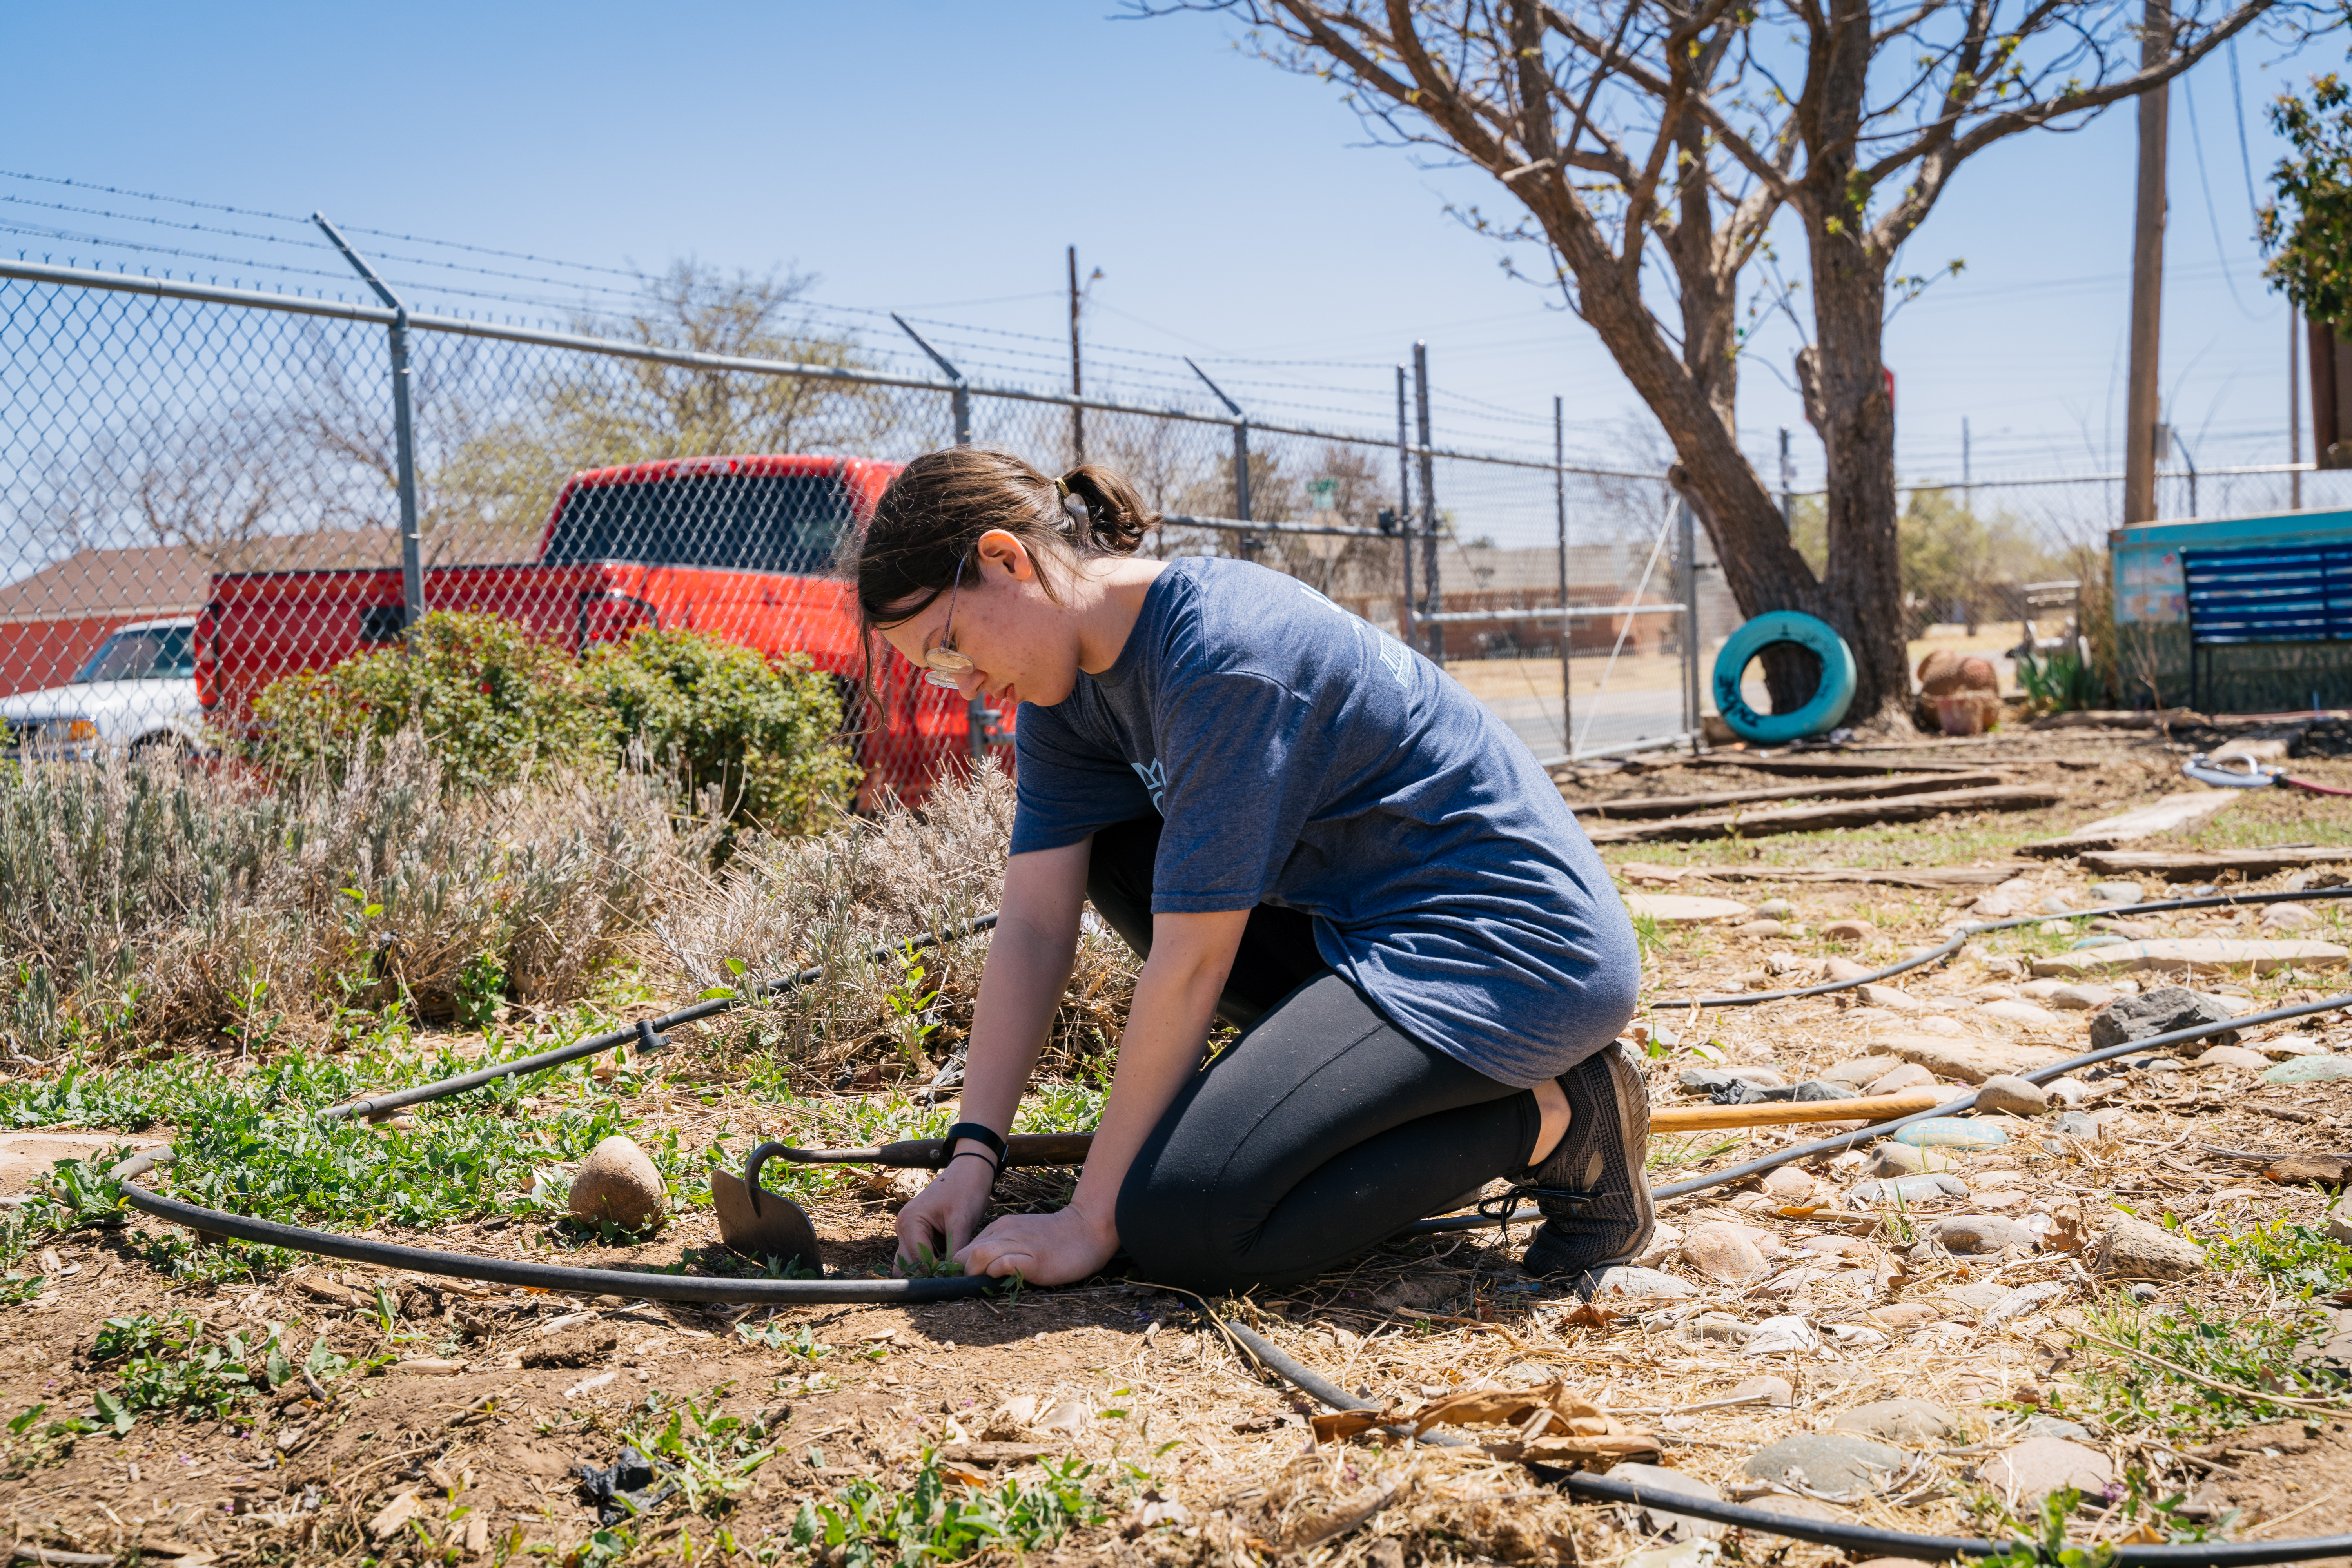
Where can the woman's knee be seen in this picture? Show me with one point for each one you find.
(1175, 1232)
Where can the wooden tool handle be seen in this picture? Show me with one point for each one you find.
(1782, 1112)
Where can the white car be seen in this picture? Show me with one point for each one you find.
(138, 690)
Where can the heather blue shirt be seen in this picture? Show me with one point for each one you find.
(1302, 757)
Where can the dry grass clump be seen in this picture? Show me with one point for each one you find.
(145, 900)
(783, 904)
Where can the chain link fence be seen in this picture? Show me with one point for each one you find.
(205, 489)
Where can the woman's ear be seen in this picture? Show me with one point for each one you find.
(1002, 550)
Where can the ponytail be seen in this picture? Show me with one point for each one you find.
(1117, 519)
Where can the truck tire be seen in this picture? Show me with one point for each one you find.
(1831, 699)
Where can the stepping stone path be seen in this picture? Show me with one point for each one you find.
(1685, 909)
(1837, 1463)
(2198, 955)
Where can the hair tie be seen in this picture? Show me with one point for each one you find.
(1062, 489)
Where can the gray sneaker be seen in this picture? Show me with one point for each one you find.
(1593, 1193)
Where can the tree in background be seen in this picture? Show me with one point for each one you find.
(2307, 224)
(1953, 562)
(1650, 147)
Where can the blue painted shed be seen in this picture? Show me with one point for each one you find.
(2239, 615)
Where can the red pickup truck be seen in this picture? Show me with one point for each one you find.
(738, 547)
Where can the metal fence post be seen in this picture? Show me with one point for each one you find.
(1685, 544)
(1559, 511)
(959, 395)
(1431, 595)
(403, 434)
(979, 719)
(1245, 543)
(1405, 514)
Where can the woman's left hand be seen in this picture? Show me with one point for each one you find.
(1047, 1248)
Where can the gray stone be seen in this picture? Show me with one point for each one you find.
(1767, 1390)
(1976, 1296)
(1928, 1187)
(2115, 892)
(2134, 1249)
(1836, 1463)
(1862, 1070)
(1777, 910)
(1717, 1328)
(1910, 1075)
(1624, 1280)
(2340, 1218)
(2040, 1466)
(2057, 904)
(1835, 969)
(1706, 1080)
(2288, 917)
(2075, 1124)
(1759, 929)
(1692, 1553)
(2232, 1056)
(2157, 1011)
(2014, 1096)
(1887, 997)
(1723, 1253)
(1912, 1421)
(1891, 1159)
(2052, 1427)
(617, 1182)
(2082, 998)
(1654, 1481)
(1973, 1232)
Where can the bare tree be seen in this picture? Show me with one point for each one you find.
(1650, 146)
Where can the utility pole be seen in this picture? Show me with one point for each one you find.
(1559, 517)
(2141, 410)
(1968, 473)
(1431, 598)
(1077, 377)
(1404, 513)
(2294, 407)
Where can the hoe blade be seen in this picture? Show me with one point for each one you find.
(777, 1229)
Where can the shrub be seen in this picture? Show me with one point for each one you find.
(763, 734)
(498, 705)
(494, 702)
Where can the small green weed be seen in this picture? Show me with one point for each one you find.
(2253, 1353)
(166, 1366)
(2038, 1540)
(801, 1341)
(713, 1456)
(870, 1525)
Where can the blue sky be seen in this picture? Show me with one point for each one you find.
(936, 158)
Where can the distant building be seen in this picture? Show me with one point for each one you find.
(54, 620)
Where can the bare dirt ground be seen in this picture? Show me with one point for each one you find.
(444, 1421)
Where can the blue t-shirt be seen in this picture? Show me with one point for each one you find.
(1301, 756)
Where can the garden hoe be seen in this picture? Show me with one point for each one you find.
(769, 1226)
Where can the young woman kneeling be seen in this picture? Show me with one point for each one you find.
(1305, 829)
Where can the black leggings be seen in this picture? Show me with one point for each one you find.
(1322, 1130)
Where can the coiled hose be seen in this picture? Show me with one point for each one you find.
(647, 1034)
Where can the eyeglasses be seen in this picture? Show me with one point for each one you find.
(943, 665)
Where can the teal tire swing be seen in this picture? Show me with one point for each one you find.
(1830, 700)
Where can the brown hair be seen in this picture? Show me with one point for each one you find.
(938, 507)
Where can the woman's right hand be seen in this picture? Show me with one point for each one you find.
(945, 1216)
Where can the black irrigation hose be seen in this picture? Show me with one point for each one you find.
(1860, 1541)
(1952, 944)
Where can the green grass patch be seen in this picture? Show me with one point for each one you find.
(872, 1524)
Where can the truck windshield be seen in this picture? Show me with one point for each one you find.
(154, 653)
(746, 523)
